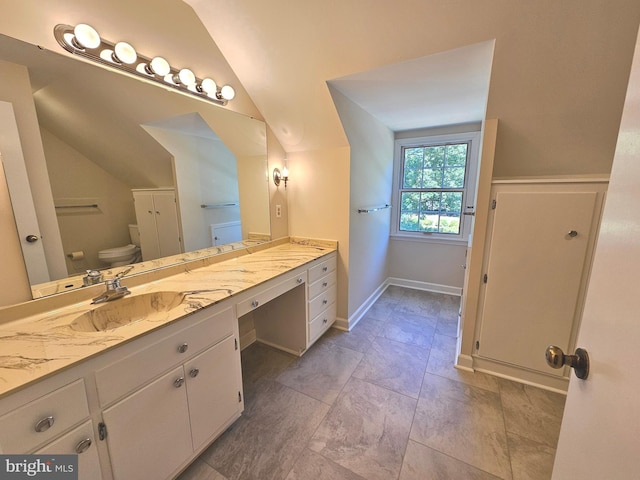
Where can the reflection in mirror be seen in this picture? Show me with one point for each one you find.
(197, 172)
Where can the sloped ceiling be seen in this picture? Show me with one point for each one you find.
(558, 76)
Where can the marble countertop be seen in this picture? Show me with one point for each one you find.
(40, 345)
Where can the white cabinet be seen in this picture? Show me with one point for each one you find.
(540, 242)
(148, 432)
(80, 441)
(157, 423)
(322, 298)
(157, 218)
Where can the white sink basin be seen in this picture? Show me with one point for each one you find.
(153, 306)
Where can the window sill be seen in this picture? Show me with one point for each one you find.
(426, 238)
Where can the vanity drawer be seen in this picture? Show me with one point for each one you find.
(262, 296)
(322, 285)
(321, 323)
(322, 301)
(323, 268)
(127, 374)
(51, 414)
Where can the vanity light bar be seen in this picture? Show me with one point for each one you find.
(84, 40)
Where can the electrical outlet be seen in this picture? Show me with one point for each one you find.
(278, 211)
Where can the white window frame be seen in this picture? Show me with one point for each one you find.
(469, 191)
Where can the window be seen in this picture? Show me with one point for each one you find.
(433, 186)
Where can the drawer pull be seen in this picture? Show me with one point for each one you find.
(299, 280)
(178, 382)
(255, 303)
(324, 320)
(45, 424)
(83, 445)
(183, 348)
(324, 284)
(194, 372)
(325, 301)
(324, 269)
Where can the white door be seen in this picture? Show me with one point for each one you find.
(21, 199)
(600, 435)
(167, 223)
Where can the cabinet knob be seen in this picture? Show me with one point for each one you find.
(325, 301)
(194, 372)
(324, 284)
(324, 320)
(183, 348)
(45, 424)
(178, 382)
(299, 280)
(255, 303)
(83, 445)
(324, 269)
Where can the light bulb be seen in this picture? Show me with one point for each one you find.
(209, 87)
(125, 53)
(185, 77)
(285, 172)
(86, 36)
(158, 66)
(227, 92)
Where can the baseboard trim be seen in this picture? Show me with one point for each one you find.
(521, 375)
(341, 324)
(429, 287)
(247, 339)
(352, 321)
(464, 362)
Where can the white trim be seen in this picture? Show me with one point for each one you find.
(521, 375)
(464, 362)
(426, 286)
(247, 339)
(469, 195)
(341, 324)
(352, 321)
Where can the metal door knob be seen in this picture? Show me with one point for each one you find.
(31, 238)
(579, 362)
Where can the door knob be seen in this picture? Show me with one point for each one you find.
(31, 238)
(579, 362)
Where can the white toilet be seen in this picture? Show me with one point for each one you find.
(119, 256)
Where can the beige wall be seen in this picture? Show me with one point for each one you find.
(319, 204)
(75, 180)
(371, 168)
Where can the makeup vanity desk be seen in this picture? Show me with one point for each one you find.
(144, 399)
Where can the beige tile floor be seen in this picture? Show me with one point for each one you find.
(384, 402)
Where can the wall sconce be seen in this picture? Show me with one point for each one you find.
(278, 176)
(85, 41)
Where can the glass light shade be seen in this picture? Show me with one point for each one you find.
(86, 36)
(159, 66)
(186, 77)
(227, 92)
(285, 172)
(125, 53)
(209, 87)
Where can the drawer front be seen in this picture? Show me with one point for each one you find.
(79, 441)
(321, 323)
(133, 371)
(322, 301)
(322, 285)
(262, 296)
(51, 414)
(322, 269)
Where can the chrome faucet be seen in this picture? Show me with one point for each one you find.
(93, 277)
(114, 289)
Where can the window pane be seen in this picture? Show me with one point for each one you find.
(434, 156)
(451, 208)
(432, 178)
(456, 155)
(412, 170)
(453, 177)
(409, 211)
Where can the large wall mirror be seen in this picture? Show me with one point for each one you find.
(128, 163)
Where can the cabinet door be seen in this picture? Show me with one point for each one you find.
(214, 389)
(79, 441)
(534, 273)
(148, 432)
(167, 223)
(146, 219)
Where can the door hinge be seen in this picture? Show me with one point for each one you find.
(477, 344)
(239, 397)
(485, 278)
(236, 341)
(493, 204)
(102, 431)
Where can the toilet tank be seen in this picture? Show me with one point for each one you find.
(134, 234)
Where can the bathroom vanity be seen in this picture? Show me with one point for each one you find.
(140, 388)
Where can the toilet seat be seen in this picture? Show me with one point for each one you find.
(125, 251)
